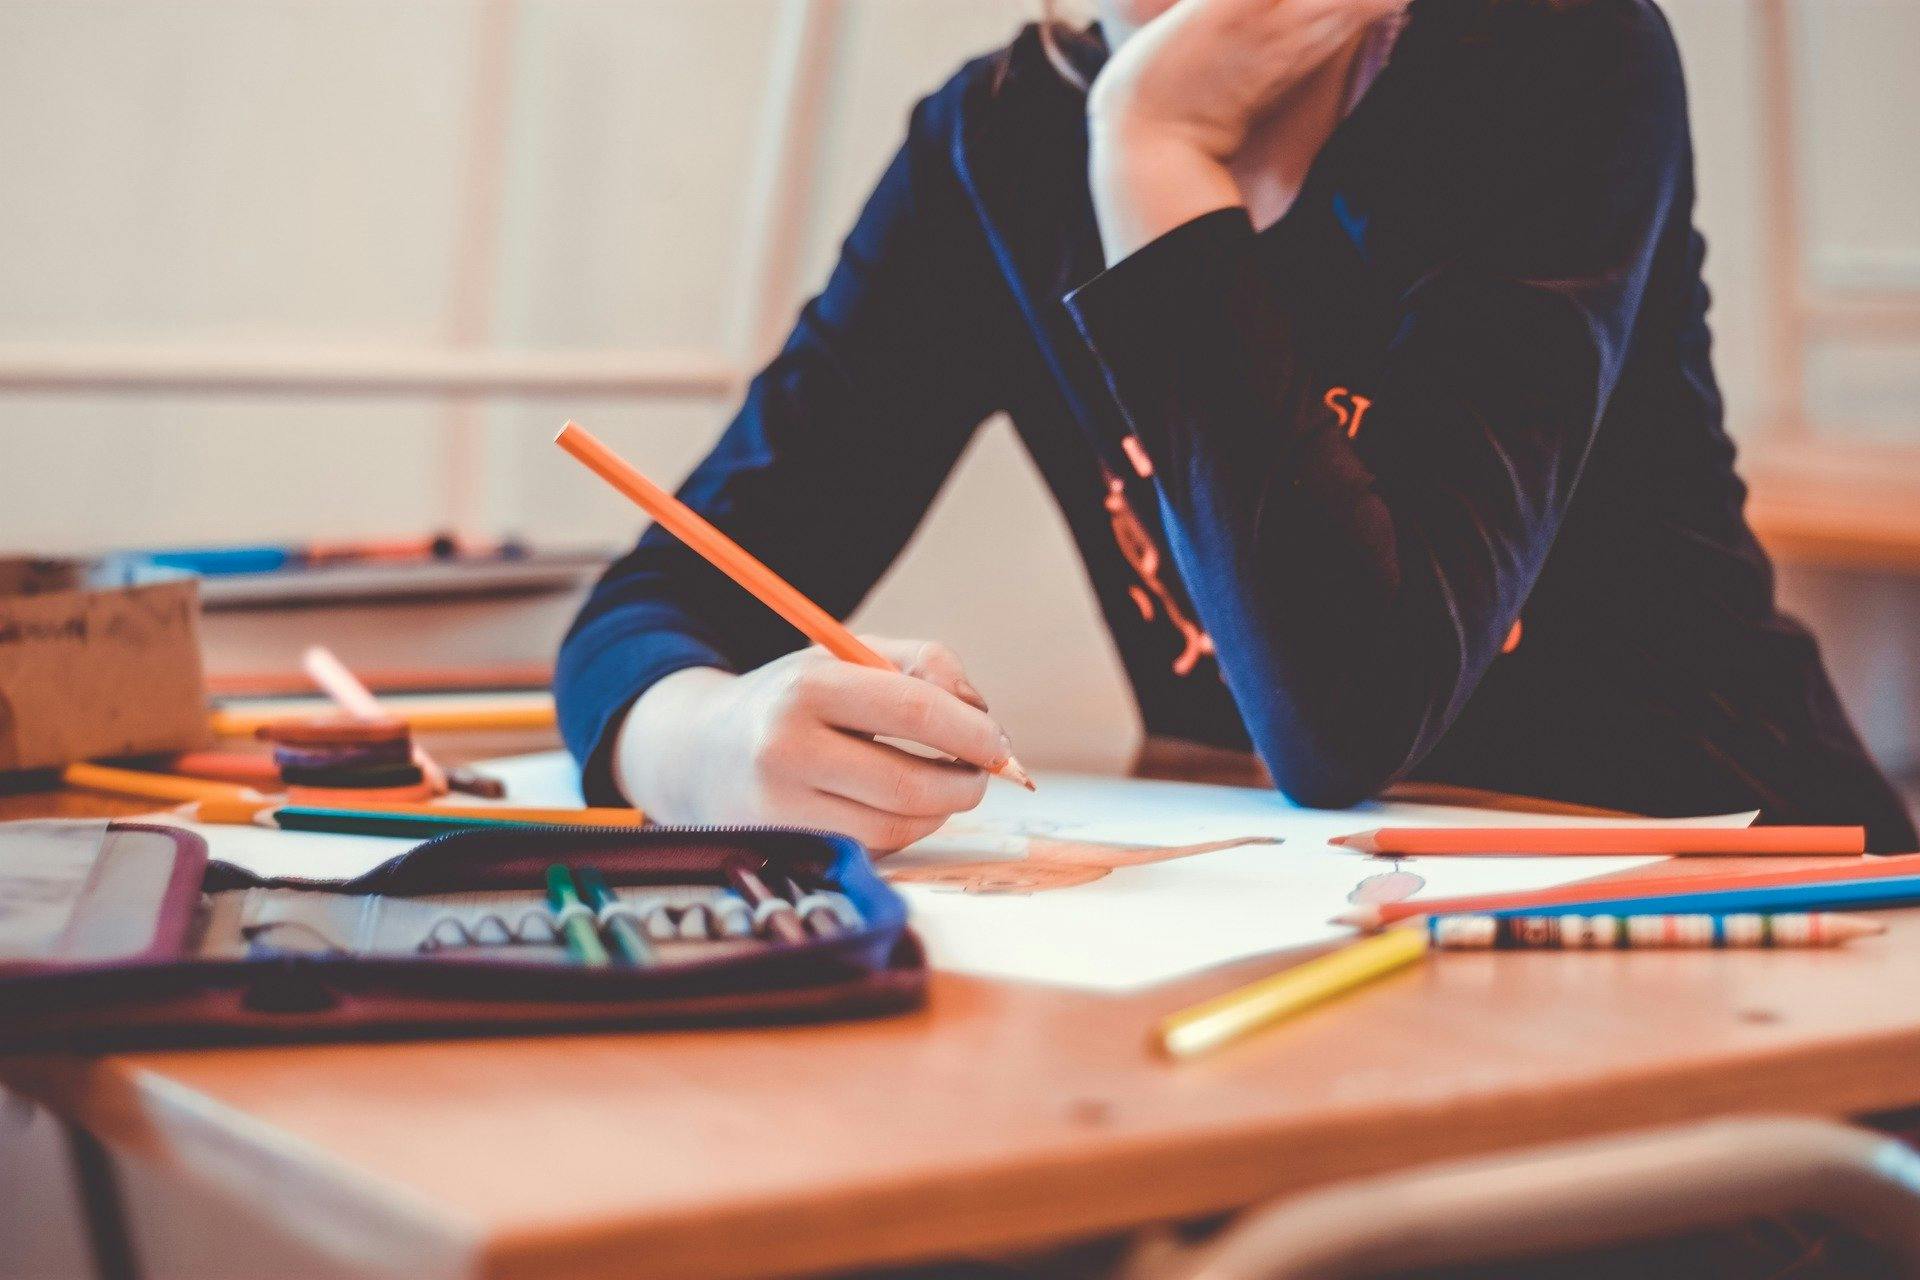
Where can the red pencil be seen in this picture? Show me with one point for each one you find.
(1378, 915)
(1408, 842)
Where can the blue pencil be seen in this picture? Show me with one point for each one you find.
(1886, 891)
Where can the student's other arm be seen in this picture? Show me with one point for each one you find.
(838, 450)
(1357, 589)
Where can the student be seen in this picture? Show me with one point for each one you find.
(1366, 354)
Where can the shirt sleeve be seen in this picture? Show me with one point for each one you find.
(1358, 586)
(838, 450)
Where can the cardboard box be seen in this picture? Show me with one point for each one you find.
(97, 660)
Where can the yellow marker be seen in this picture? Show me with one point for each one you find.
(155, 786)
(1240, 1012)
(445, 719)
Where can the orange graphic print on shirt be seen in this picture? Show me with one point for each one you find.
(1348, 408)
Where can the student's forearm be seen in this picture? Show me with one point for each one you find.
(649, 762)
(1146, 182)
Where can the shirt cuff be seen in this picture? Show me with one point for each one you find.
(603, 669)
(1142, 317)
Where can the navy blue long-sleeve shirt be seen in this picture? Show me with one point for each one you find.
(1436, 461)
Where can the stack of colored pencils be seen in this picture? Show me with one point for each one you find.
(1658, 909)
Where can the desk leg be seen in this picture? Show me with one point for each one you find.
(102, 1206)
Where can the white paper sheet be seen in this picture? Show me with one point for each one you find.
(1134, 925)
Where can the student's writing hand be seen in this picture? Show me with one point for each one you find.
(1174, 105)
(792, 742)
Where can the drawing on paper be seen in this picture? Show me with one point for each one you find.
(1052, 863)
(1396, 885)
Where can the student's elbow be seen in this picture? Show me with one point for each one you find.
(1339, 752)
(1316, 771)
(1327, 784)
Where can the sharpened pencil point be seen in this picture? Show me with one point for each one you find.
(1010, 770)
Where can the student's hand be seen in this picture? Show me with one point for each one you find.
(792, 743)
(1174, 104)
(1203, 71)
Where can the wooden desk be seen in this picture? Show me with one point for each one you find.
(1001, 1116)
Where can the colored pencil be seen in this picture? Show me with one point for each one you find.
(1241, 1012)
(484, 678)
(141, 784)
(1410, 842)
(775, 912)
(1599, 932)
(1606, 891)
(734, 560)
(398, 819)
(464, 715)
(1885, 891)
(633, 949)
(575, 920)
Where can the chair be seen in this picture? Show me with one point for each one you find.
(1585, 1195)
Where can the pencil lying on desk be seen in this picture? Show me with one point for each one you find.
(144, 785)
(416, 820)
(1647, 932)
(1421, 842)
(734, 560)
(447, 715)
(1245, 1010)
(1598, 892)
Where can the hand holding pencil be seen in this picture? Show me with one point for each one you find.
(804, 739)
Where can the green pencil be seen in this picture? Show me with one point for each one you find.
(633, 948)
(583, 940)
(371, 822)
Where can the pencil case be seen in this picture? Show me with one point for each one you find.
(160, 946)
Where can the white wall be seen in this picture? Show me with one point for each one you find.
(290, 172)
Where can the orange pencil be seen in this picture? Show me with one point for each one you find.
(1412, 842)
(734, 560)
(1654, 882)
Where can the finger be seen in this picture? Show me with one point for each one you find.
(880, 832)
(931, 661)
(891, 780)
(888, 704)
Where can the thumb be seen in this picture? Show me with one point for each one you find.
(931, 661)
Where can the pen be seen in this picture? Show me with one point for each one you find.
(574, 919)
(775, 912)
(633, 948)
(818, 915)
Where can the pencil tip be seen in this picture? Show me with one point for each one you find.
(1011, 770)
